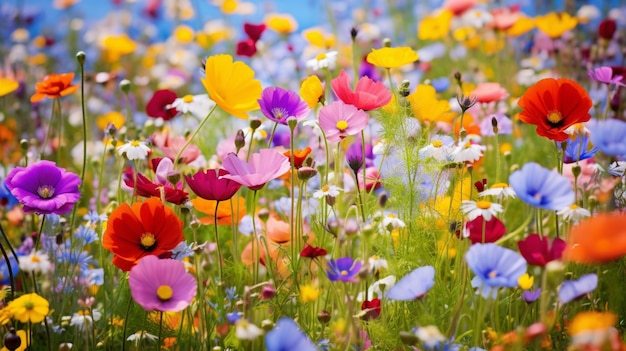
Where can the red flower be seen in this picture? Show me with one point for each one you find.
(607, 28)
(368, 95)
(538, 251)
(54, 86)
(246, 48)
(147, 188)
(494, 230)
(554, 105)
(158, 106)
(371, 308)
(208, 185)
(312, 251)
(254, 31)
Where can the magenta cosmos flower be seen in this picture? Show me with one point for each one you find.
(208, 185)
(368, 94)
(161, 284)
(278, 104)
(339, 120)
(605, 75)
(264, 166)
(44, 188)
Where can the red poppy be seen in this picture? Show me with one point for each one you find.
(597, 239)
(554, 105)
(494, 230)
(254, 31)
(146, 228)
(246, 48)
(312, 251)
(54, 86)
(159, 105)
(538, 251)
(371, 308)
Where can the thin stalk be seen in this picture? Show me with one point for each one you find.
(217, 242)
(160, 329)
(195, 132)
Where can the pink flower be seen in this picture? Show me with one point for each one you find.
(489, 92)
(264, 166)
(368, 95)
(504, 18)
(339, 120)
(171, 145)
(459, 6)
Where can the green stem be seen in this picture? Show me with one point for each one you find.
(195, 132)
(160, 330)
(124, 330)
(217, 242)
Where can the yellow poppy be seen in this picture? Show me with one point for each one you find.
(281, 23)
(232, 85)
(435, 27)
(317, 37)
(29, 308)
(312, 91)
(113, 117)
(392, 57)
(555, 24)
(7, 86)
(591, 321)
(523, 25)
(183, 34)
(116, 46)
(426, 106)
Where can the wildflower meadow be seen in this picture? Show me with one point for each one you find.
(316, 175)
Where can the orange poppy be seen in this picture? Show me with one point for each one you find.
(469, 124)
(146, 228)
(553, 105)
(299, 156)
(54, 86)
(597, 239)
(224, 214)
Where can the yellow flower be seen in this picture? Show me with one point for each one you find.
(523, 25)
(392, 106)
(24, 342)
(113, 117)
(435, 27)
(312, 91)
(308, 293)
(232, 85)
(281, 23)
(183, 34)
(7, 86)
(526, 281)
(228, 6)
(426, 107)
(392, 57)
(29, 308)
(116, 46)
(555, 24)
(591, 321)
(317, 37)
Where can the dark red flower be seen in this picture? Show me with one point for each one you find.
(208, 185)
(254, 31)
(246, 48)
(606, 29)
(494, 230)
(312, 252)
(147, 188)
(371, 308)
(158, 105)
(538, 251)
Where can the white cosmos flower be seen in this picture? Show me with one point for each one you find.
(499, 191)
(196, 105)
(324, 60)
(134, 150)
(486, 209)
(247, 331)
(327, 190)
(142, 334)
(573, 213)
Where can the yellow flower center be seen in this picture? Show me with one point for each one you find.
(499, 186)
(279, 113)
(342, 125)
(45, 191)
(320, 57)
(148, 241)
(325, 188)
(29, 305)
(344, 272)
(437, 143)
(493, 274)
(483, 205)
(134, 143)
(35, 259)
(555, 117)
(188, 99)
(391, 215)
(165, 292)
(573, 207)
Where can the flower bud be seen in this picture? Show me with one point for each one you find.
(80, 57)
(125, 85)
(255, 123)
(240, 139)
(404, 87)
(353, 33)
(11, 340)
(323, 316)
(387, 42)
(306, 173)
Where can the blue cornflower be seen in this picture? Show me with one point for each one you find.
(233, 317)
(4, 270)
(6, 198)
(573, 289)
(93, 276)
(414, 285)
(231, 293)
(578, 150)
(531, 296)
(541, 187)
(344, 269)
(440, 84)
(80, 259)
(287, 336)
(609, 136)
(182, 250)
(94, 217)
(495, 267)
(86, 234)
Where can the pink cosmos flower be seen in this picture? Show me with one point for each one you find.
(459, 6)
(161, 284)
(368, 95)
(605, 75)
(263, 166)
(339, 120)
(489, 92)
(170, 146)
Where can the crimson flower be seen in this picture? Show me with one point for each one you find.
(209, 185)
(146, 188)
(254, 31)
(312, 251)
(368, 94)
(246, 48)
(607, 28)
(494, 230)
(371, 308)
(538, 251)
(160, 105)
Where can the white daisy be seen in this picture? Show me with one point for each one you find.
(327, 190)
(437, 149)
(376, 264)
(391, 222)
(378, 288)
(324, 60)
(430, 336)
(573, 213)
(468, 152)
(247, 331)
(83, 320)
(197, 105)
(134, 150)
(486, 209)
(499, 191)
(36, 262)
(142, 334)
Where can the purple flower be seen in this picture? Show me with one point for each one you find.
(208, 185)
(609, 136)
(161, 284)
(344, 269)
(44, 188)
(605, 75)
(505, 125)
(354, 156)
(531, 296)
(339, 120)
(278, 104)
(541, 187)
(573, 289)
(495, 267)
(287, 336)
(414, 285)
(264, 166)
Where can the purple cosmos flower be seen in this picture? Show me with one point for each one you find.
(264, 166)
(531, 296)
(344, 269)
(609, 136)
(605, 75)
(287, 336)
(278, 104)
(339, 120)
(44, 188)
(495, 267)
(208, 185)
(541, 187)
(161, 284)
(578, 149)
(414, 285)
(573, 289)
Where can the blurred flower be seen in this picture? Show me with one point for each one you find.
(553, 105)
(278, 104)
(308, 293)
(116, 46)
(343, 269)
(592, 330)
(29, 308)
(458, 7)
(54, 86)
(531, 296)
(370, 309)
(555, 24)
(573, 289)
(134, 150)
(368, 95)
(232, 85)
(5, 277)
(392, 57)
(339, 120)
(245, 330)
(265, 165)
(573, 213)
(414, 285)
(426, 107)
(197, 105)
(317, 37)
(522, 25)
(605, 75)
(8, 85)
(609, 136)
(435, 26)
(254, 31)
(146, 228)
(493, 230)
(312, 252)
(597, 239)
(578, 148)
(430, 336)
(281, 23)
(35, 262)
(538, 250)
(327, 190)
(607, 28)
(161, 284)
(526, 281)
(287, 336)
(312, 91)
(183, 34)
(44, 188)
(482, 208)
(160, 105)
(246, 48)
(209, 185)
(226, 215)
(541, 187)
(504, 17)
(495, 267)
(489, 92)
(113, 118)
(323, 60)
